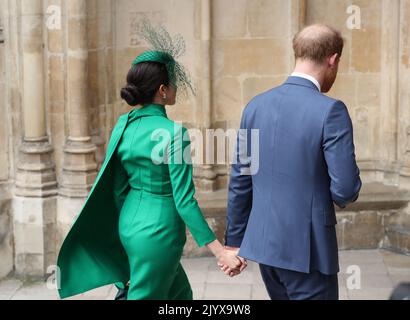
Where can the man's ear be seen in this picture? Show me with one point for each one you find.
(333, 60)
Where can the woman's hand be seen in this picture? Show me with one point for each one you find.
(226, 257)
(228, 271)
(233, 272)
(229, 259)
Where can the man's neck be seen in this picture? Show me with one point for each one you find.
(311, 69)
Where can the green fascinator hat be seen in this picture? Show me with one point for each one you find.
(165, 49)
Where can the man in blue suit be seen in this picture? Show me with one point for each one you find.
(281, 215)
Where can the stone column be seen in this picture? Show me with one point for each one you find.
(205, 175)
(404, 95)
(79, 167)
(6, 249)
(79, 164)
(297, 22)
(95, 77)
(100, 74)
(389, 80)
(4, 125)
(36, 185)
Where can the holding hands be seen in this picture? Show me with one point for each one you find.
(228, 260)
(232, 269)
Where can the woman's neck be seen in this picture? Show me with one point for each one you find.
(157, 101)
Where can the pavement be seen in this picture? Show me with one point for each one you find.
(365, 275)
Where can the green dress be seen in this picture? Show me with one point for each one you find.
(133, 224)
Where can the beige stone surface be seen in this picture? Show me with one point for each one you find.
(250, 56)
(6, 234)
(268, 18)
(366, 51)
(253, 86)
(227, 100)
(368, 90)
(77, 7)
(56, 81)
(345, 87)
(4, 125)
(230, 18)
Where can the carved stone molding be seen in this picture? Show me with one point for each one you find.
(79, 168)
(408, 140)
(36, 170)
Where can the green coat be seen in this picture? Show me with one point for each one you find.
(99, 249)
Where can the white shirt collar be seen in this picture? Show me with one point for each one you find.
(307, 77)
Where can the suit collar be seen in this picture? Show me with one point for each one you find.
(148, 110)
(301, 82)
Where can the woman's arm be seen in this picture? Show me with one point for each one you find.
(183, 189)
(180, 170)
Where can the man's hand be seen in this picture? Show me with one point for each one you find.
(233, 272)
(244, 262)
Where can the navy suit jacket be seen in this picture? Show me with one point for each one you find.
(281, 214)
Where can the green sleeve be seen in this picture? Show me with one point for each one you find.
(180, 170)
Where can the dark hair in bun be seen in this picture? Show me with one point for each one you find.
(143, 82)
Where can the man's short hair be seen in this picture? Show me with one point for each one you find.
(317, 42)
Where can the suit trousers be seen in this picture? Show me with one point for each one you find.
(284, 284)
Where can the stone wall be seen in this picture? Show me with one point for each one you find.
(6, 226)
(59, 96)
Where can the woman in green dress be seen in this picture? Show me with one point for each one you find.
(133, 224)
(159, 201)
